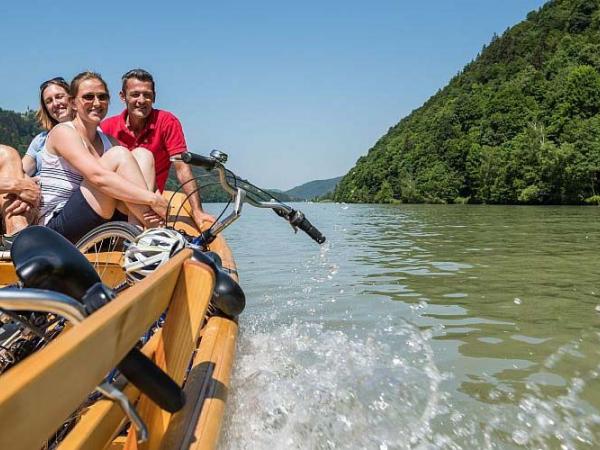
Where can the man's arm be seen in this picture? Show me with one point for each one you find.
(24, 189)
(184, 173)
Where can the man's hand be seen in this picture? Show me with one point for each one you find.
(27, 190)
(202, 219)
(17, 207)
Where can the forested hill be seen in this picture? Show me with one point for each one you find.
(313, 189)
(17, 130)
(519, 124)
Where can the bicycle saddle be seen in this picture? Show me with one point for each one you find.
(44, 259)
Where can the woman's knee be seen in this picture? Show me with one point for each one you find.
(143, 156)
(118, 151)
(117, 155)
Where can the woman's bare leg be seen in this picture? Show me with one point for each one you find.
(121, 161)
(11, 167)
(145, 160)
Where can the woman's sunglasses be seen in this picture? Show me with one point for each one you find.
(55, 80)
(102, 97)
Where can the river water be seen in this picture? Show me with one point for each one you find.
(418, 326)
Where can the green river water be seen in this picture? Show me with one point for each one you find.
(418, 326)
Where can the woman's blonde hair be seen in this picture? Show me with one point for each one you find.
(42, 115)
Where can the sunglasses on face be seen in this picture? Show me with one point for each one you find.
(55, 80)
(102, 97)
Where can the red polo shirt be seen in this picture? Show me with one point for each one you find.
(162, 135)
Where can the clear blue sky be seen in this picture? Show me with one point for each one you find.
(293, 91)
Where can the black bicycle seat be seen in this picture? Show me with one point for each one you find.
(44, 259)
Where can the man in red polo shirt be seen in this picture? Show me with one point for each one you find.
(140, 125)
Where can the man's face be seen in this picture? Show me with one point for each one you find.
(138, 97)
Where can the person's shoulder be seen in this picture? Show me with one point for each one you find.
(62, 129)
(40, 138)
(37, 143)
(165, 116)
(112, 122)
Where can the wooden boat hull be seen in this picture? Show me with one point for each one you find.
(41, 391)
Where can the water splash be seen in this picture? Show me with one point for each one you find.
(302, 386)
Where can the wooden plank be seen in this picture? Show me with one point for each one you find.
(198, 425)
(179, 339)
(220, 356)
(115, 258)
(7, 273)
(98, 424)
(39, 393)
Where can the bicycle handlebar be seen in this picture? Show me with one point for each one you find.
(299, 220)
(296, 218)
(194, 159)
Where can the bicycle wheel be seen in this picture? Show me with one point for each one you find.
(104, 247)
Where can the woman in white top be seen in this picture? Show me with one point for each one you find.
(82, 183)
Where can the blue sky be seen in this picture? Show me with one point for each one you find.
(293, 91)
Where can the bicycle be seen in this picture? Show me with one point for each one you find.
(105, 244)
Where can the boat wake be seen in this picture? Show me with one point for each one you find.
(323, 380)
(302, 386)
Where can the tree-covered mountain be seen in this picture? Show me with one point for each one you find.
(519, 124)
(313, 189)
(17, 130)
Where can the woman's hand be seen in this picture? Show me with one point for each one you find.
(152, 220)
(159, 205)
(156, 214)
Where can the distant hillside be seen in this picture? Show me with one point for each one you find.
(519, 124)
(313, 189)
(17, 130)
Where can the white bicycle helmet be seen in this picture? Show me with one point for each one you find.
(149, 251)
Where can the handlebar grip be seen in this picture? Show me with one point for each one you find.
(311, 230)
(194, 159)
(152, 381)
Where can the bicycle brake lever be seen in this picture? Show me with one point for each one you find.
(116, 395)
